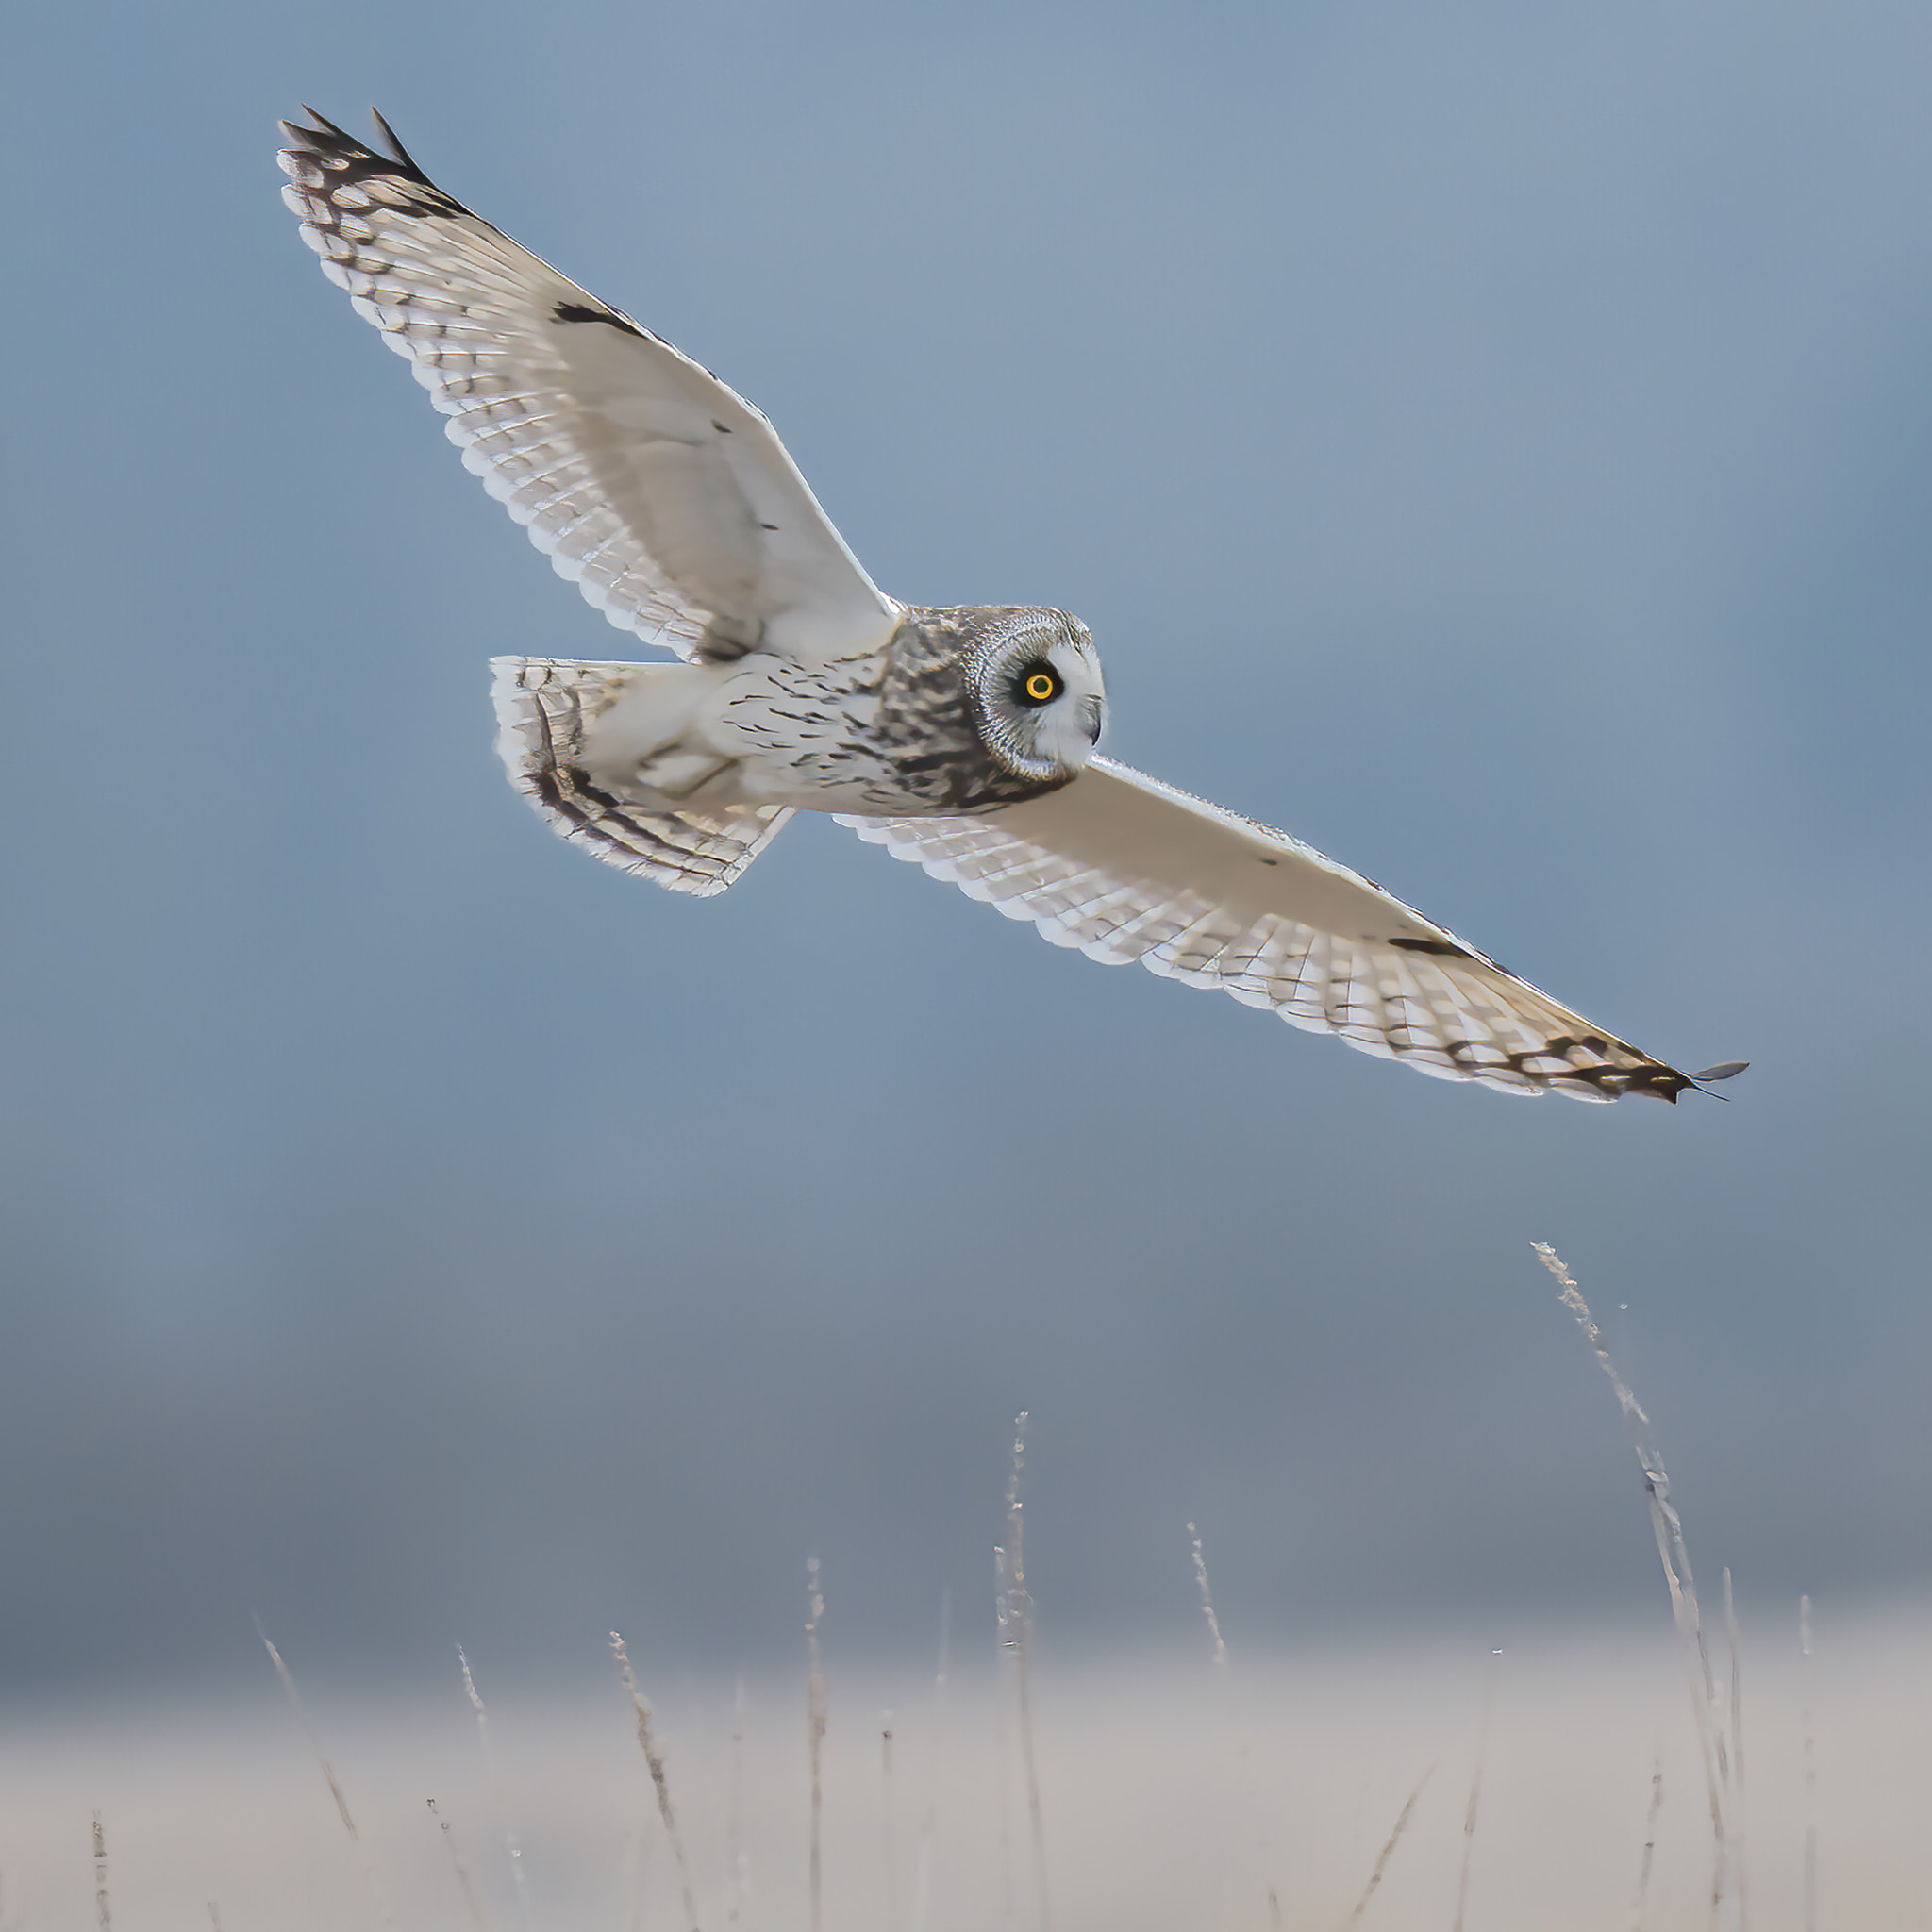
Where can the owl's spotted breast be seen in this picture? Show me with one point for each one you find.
(910, 730)
(932, 719)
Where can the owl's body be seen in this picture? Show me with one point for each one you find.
(728, 749)
(900, 729)
(960, 738)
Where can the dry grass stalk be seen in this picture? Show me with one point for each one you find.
(510, 1844)
(1739, 1815)
(886, 1817)
(104, 1915)
(630, 1875)
(928, 1824)
(1374, 1884)
(1668, 1530)
(334, 1789)
(736, 1860)
(1003, 1618)
(660, 1783)
(1810, 1768)
(1649, 1858)
(815, 1715)
(1243, 1794)
(1020, 1608)
(1207, 1598)
(471, 1904)
(1475, 1790)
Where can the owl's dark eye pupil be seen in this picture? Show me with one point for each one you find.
(1038, 684)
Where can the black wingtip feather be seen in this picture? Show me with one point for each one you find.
(397, 150)
(322, 125)
(351, 161)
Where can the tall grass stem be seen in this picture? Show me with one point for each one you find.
(886, 1819)
(1648, 1860)
(928, 1824)
(1810, 1768)
(1020, 1605)
(1668, 1530)
(376, 1892)
(815, 1717)
(103, 1912)
(1003, 1618)
(471, 1904)
(1475, 1789)
(499, 1804)
(1739, 1810)
(1207, 1598)
(1395, 1837)
(660, 1782)
(737, 1859)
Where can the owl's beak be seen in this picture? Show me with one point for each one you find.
(1096, 717)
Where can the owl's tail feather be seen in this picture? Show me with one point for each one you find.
(544, 707)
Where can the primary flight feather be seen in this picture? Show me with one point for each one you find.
(962, 739)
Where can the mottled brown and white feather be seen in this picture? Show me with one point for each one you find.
(667, 499)
(543, 708)
(1127, 869)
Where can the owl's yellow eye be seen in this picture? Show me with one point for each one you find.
(1041, 685)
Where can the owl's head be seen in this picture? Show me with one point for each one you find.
(1037, 695)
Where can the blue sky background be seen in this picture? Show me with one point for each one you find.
(1490, 441)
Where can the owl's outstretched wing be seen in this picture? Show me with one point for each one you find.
(1126, 868)
(666, 499)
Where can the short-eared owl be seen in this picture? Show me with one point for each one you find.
(960, 739)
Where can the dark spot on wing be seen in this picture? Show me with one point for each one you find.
(1447, 947)
(579, 311)
(768, 527)
(1646, 1077)
(727, 639)
(723, 428)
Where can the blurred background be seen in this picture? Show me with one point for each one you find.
(1489, 442)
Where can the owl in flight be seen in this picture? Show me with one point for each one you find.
(962, 740)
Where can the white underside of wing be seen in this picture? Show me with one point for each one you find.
(1127, 869)
(665, 497)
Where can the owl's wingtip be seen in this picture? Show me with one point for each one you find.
(398, 153)
(1724, 1070)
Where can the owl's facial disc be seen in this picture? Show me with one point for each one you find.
(1038, 694)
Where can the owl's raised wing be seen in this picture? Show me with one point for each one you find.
(666, 499)
(1126, 868)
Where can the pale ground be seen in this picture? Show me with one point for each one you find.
(1173, 1796)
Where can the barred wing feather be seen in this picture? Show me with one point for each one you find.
(543, 707)
(667, 499)
(1126, 868)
